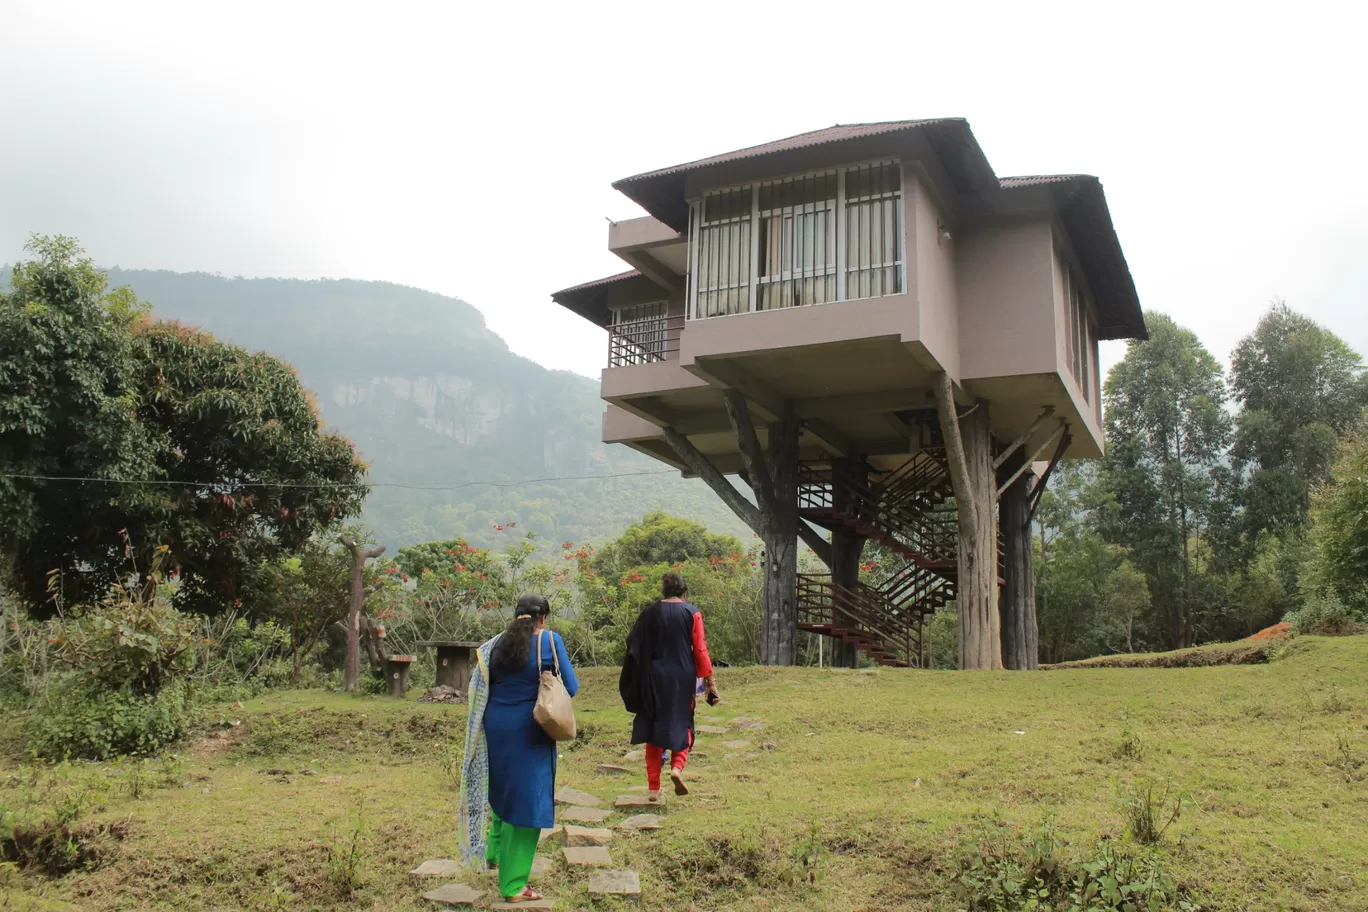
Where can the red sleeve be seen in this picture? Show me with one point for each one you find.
(702, 663)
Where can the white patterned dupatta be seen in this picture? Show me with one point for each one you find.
(475, 765)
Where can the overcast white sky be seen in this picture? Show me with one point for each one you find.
(468, 148)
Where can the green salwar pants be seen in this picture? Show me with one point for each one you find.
(512, 849)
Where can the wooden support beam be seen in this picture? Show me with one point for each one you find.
(769, 405)
(699, 464)
(1035, 426)
(752, 457)
(1038, 490)
(860, 403)
(1062, 429)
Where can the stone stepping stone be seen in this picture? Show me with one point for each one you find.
(437, 867)
(734, 745)
(585, 815)
(576, 836)
(455, 894)
(642, 822)
(538, 905)
(637, 755)
(574, 796)
(587, 857)
(615, 883)
(541, 866)
(748, 724)
(612, 769)
(637, 801)
(547, 834)
(710, 729)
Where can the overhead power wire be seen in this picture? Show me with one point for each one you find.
(325, 485)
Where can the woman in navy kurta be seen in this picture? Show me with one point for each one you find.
(668, 654)
(522, 757)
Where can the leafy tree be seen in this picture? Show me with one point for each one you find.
(1301, 387)
(1339, 525)
(1167, 430)
(306, 593)
(658, 538)
(211, 451)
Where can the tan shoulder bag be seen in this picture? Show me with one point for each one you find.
(553, 711)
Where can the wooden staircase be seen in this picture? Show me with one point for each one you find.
(909, 512)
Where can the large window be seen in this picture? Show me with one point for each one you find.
(829, 236)
(1079, 342)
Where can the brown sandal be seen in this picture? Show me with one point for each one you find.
(677, 777)
(527, 895)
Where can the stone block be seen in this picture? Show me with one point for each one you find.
(587, 857)
(615, 883)
(437, 867)
(585, 815)
(586, 836)
(642, 822)
(574, 796)
(455, 894)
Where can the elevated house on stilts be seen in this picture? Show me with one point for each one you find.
(888, 343)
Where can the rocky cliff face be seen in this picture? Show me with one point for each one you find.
(434, 400)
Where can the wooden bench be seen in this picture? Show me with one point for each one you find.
(454, 660)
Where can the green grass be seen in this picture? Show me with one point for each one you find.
(858, 796)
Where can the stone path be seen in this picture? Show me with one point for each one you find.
(585, 815)
(586, 847)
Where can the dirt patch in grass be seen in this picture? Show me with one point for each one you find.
(1276, 632)
(55, 849)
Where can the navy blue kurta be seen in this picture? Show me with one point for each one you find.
(522, 757)
(668, 721)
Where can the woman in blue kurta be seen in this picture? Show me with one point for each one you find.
(521, 757)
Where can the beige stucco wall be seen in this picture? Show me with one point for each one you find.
(931, 274)
(1007, 292)
(1089, 407)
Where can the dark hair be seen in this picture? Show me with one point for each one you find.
(511, 652)
(672, 585)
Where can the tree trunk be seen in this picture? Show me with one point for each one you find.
(969, 451)
(1020, 634)
(778, 637)
(351, 669)
(845, 560)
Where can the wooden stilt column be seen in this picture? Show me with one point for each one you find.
(1020, 637)
(969, 452)
(845, 553)
(772, 473)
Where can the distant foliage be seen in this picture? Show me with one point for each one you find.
(658, 538)
(1339, 526)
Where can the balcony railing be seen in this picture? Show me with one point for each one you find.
(644, 341)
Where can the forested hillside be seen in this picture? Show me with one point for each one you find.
(434, 399)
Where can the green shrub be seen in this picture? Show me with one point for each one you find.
(78, 721)
(1325, 614)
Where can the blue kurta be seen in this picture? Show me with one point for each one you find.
(522, 758)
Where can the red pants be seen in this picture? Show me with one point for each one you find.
(655, 756)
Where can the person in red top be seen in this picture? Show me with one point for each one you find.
(667, 655)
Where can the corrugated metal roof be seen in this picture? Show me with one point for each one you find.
(835, 133)
(607, 280)
(1035, 180)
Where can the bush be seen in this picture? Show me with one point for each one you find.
(75, 720)
(1324, 614)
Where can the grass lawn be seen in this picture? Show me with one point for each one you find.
(860, 793)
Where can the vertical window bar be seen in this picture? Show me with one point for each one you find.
(838, 234)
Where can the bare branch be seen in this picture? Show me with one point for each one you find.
(813, 539)
(746, 511)
(752, 457)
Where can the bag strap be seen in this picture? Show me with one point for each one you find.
(555, 656)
